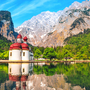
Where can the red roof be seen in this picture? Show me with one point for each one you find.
(11, 47)
(19, 36)
(24, 46)
(24, 77)
(25, 38)
(17, 46)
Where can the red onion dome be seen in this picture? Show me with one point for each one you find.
(17, 46)
(24, 46)
(11, 47)
(24, 78)
(19, 36)
(25, 38)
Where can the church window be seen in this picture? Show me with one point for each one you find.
(10, 69)
(20, 53)
(10, 53)
(23, 70)
(23, 53)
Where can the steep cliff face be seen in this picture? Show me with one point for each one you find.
(6, 26)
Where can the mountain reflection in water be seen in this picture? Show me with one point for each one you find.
(51, 77)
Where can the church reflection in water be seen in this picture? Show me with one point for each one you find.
(19, 72)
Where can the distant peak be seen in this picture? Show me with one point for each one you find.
(46, 12)
(75, 5)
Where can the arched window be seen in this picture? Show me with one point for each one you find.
(10, 53)
(23, 53)
(23, 70)
(10, 69)
(20, 53)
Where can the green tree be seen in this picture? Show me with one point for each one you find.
(77, 56)
(49, 53)
(67, 53)
(58, 48)
(1, 56)
(60, 55)
(41, 49)
(34, 49)
(83, 49)
(6, 54)
(84, 56)
(4, 43)
(37, 53)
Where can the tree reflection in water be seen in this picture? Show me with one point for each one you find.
(76, 74)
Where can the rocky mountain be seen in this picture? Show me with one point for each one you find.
(38, 26)
(6, 26)
(51, 29)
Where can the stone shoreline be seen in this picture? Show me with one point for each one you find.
(43, 82)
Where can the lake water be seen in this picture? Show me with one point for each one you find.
(45, 77)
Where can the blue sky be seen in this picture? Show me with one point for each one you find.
(22, 10)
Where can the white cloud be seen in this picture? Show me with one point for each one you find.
(6, 3)
(28, 6)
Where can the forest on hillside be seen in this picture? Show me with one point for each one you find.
(4, 47)
(76, 48)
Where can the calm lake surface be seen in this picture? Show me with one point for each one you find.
(45, 77)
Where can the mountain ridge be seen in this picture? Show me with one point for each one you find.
(41, 29)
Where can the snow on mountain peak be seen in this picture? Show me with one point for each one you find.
(43, 22)
(39, 26)
(75, 5)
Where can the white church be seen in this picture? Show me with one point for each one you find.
(19, 52)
